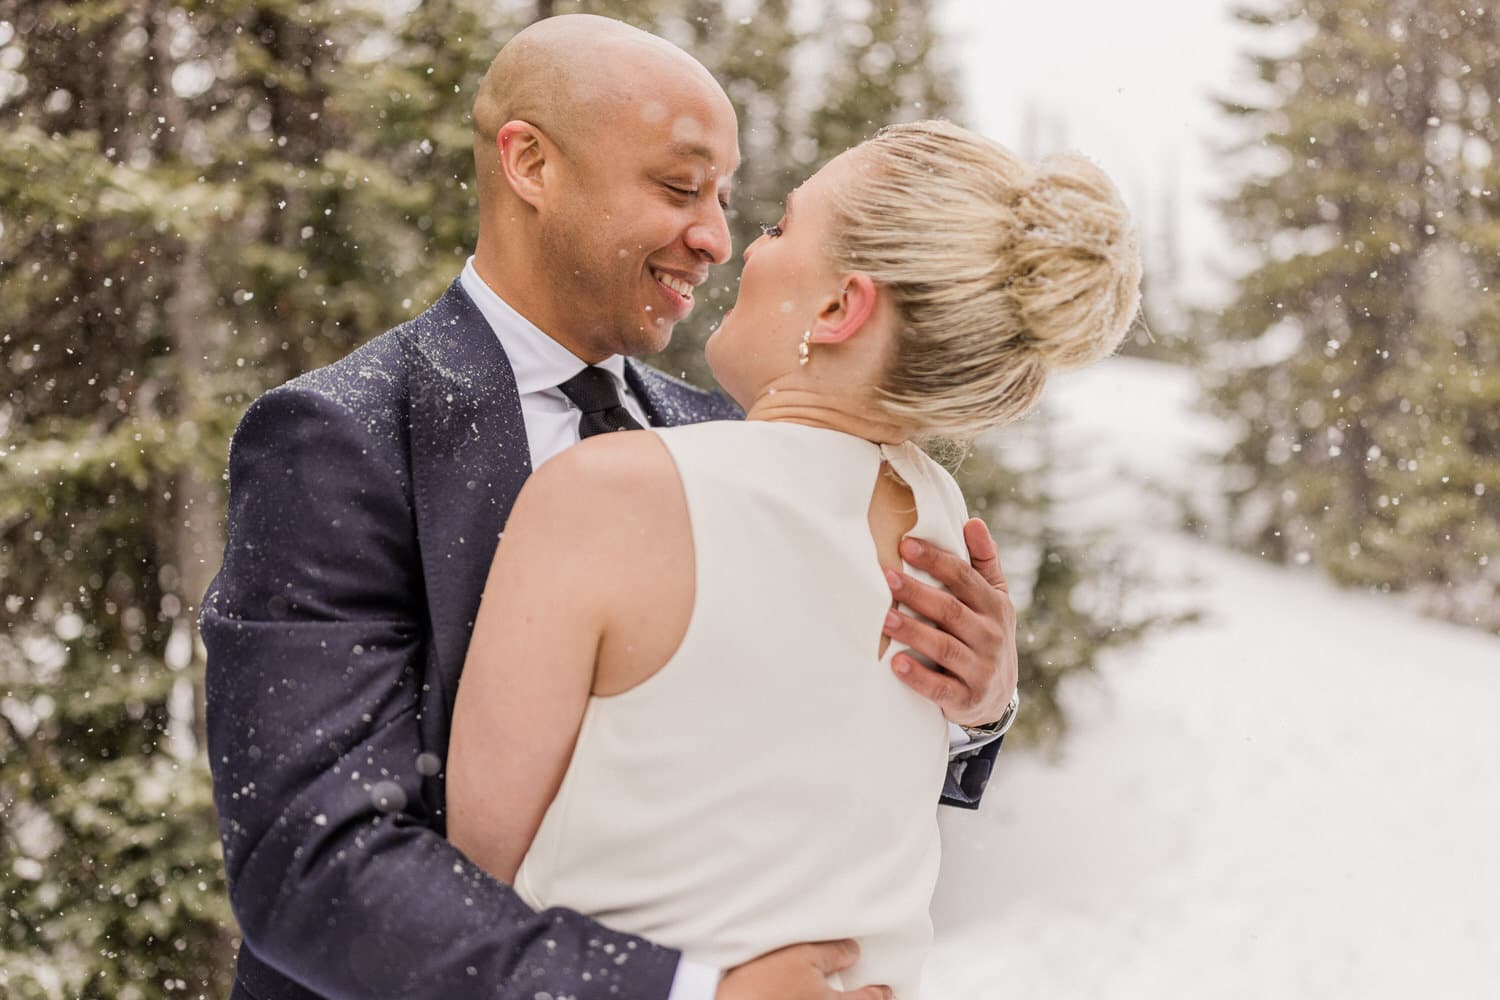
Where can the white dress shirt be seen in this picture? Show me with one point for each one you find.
(540, 365)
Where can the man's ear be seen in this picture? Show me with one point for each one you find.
(524, 156)
(847, 313)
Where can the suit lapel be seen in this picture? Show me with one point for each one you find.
(469, 461)
(669, 402)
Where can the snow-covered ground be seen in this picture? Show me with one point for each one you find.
(1298, 797)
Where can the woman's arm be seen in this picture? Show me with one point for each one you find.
(580, 552)
(525, 683)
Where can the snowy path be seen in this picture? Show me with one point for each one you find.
(1297, 797)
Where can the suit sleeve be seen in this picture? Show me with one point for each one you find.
(316, 637)
(968, 773)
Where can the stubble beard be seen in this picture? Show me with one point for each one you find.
(627, 329)
(596, 290)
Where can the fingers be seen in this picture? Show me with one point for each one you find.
(976, 628)
(870, 993)
(948, 693)
(829, 957)
(953, 572)
(984, 555)
(969, 631)
(970, 688)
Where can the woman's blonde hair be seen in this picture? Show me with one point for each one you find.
(1001, 272)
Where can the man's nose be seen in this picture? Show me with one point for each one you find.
(709, 233)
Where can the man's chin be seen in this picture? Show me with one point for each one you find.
(652, 337)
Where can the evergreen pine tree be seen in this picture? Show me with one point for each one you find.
(108, 882)
(1357, 374)
(1448, 518)
(884, 65)
(198, 203)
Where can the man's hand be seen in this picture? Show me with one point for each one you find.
(973, 635)
(797, 972)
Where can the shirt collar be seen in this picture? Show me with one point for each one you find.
(539, 362)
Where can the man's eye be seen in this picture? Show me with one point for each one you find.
(686, 192)
(771, 231)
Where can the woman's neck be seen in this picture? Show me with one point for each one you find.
(800, 406)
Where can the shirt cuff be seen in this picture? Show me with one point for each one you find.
(694, 981)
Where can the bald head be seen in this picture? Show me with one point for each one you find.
(570, 74)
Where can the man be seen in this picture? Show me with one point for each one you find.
(365, 503)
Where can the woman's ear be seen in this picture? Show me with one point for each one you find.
(524, 153)
(847, 313)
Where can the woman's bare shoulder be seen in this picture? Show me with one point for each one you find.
(613, 496)
(624, 473)
(624, 498)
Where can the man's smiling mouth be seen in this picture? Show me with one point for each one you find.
(676, 284)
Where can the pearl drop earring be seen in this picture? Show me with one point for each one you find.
(804, 352)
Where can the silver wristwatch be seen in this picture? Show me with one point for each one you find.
(980, 735)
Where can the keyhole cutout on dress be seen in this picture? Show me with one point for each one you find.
(893, 514)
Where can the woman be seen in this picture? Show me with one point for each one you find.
(630, 739)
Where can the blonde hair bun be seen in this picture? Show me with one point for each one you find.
(1001, 271)
(1074, 267)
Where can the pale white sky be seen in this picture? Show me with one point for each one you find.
(1125, 83)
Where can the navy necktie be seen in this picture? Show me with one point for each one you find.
(593, 392)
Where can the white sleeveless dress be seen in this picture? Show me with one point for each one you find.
(774, 782)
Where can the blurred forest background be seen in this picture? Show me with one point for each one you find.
(200, 199)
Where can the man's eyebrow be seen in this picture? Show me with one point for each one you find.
(698, 151)
(695, 150)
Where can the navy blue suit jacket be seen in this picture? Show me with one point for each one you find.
(365, 503)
